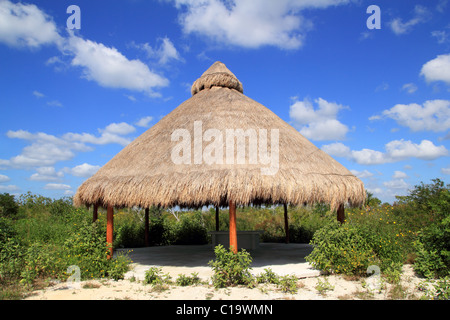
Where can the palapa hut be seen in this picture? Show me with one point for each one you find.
(224, 149)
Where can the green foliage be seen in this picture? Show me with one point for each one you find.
(288, 284)
(340, 249)
(184, 280)
(8, 206)
(433, 250)
(268, 276)
(87, 248)
(154, 276)
(191, 229)
(231, 268)
(11, 252)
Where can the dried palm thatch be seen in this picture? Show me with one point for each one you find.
(145, 174)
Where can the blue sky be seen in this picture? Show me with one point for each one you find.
(377, 100)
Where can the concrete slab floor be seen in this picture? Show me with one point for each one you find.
(282, 258)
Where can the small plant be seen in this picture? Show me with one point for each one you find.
(268, 276)
(323, 286)
(184, 280)
(231, 268)
(288, 284)
(442, 289)
(154, 276)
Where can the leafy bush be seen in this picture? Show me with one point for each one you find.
(8, 206)
(191, 229)
(184, 280)
(268, 276)
(340, 249)
(11, 252)
(288, 284)
(231, 268)
(87, 248)
(154, 276)
(433, 250)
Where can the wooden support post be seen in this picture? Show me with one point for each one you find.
(146, 236)
(217, 218)
(110, 229)
(341, 213)
(286, 222)
(233, 232)
(95, 213)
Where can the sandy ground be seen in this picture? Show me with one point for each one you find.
(308, 289)
(282, 259)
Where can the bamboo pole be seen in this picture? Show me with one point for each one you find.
(233, 232)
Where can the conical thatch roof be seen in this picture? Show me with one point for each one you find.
(187, 159)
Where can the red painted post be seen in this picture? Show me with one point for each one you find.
(110, 229)
(233, 232)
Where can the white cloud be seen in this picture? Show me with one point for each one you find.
(144, 122)
(25, 25)
(122, 128)
(399, 175)
(111, 134)
(4, 178)
(47, 174)
(110, 68)
(421, 14)
(57, 186)
(165, 53)
(445, 170)
(396, 150)
(84, 170)
(362, 174)
(249, 23)
(437, 69)
(337, 149)
(9, 188)
(54, 103)
(441, 36)
(45, 150)
(396, 184)
(321, 123)
(434, 115)
(409, 87)
(38, 94)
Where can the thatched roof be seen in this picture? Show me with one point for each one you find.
(151, 170)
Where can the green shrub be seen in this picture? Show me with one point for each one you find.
(11, 252)
(184, 280)
(87, 248)
(288, 284)
(191, 229)
(231, 268)
(268, 276)
(154, 276)
(8, 206)
(433, 250)
(340, 249)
